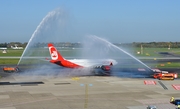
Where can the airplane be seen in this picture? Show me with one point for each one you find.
(16, 47)
(98, 66)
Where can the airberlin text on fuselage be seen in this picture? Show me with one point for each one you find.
(54, 54)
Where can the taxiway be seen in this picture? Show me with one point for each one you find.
(42, 92)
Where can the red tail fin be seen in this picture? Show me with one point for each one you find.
(59, 60)
(55, 55)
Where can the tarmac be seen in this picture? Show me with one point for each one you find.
(91, 92)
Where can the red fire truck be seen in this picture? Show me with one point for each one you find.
(10, 69)
(164, 75)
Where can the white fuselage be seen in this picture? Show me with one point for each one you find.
(90, 63)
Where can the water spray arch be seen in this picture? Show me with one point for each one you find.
(99, 48)
(50, 29)
(109, 47)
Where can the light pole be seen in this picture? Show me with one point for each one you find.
(141, 49)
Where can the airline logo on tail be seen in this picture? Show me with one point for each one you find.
(53, 52)
(55, 55)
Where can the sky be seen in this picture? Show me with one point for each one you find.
(119, 21)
